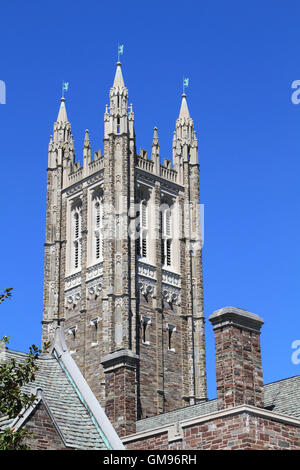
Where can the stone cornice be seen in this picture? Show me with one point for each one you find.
(122, 358)
(237, 317)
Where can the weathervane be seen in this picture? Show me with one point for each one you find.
(120, 50)
(185, 84)
(65, 86)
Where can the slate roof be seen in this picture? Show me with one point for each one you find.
(70, 414)
(282, 397)
(78, 426)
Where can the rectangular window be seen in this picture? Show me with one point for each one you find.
(142, 230)
(166, 237)
(144, 246)
(145, 324)
(98, 247)
(98, 229)
(162, 252)
(72, 332)
(138, 247)
(76, 236)
(76, 255)
(169, 243)
(94, 326)
(171, 329)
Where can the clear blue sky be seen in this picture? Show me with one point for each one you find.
(241, 58)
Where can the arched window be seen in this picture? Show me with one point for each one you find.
(76, 235)
(142, 227)
(98, 244)
(166, 230)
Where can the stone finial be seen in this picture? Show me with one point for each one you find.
(86, 139)
(155, 154)
(155, 142)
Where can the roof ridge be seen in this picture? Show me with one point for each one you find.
(282, 380)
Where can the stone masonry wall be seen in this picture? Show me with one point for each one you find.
(236, 432)
(238, 367)
(45, 435)
(238, 357)
(85, 350)
(120, 405)
(147, 405)
(172, 361)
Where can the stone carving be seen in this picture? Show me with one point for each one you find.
(72, 297)
(96, 178)
(94, 271)
(94, 287)
(146, 288)
(171, 295)
(171, 278)
(147, 270)
(74, 189)
(73, 280)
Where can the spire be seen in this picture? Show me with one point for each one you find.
(184, 145)
(62, 130)
(119, 82)
(184, 110)
(117, 120)
(62, 114)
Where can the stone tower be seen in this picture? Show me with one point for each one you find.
(123, 265)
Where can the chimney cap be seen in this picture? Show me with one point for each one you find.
(238, 317)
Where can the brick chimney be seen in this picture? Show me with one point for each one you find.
(238, 357)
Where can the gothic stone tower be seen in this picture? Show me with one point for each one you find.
(123, 266)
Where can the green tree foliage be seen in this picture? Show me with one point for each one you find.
(13, 376)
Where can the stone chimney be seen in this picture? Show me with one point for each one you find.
(120, 370)
(238, 357)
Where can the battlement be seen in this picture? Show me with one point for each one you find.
(164, 170)
(78, 172)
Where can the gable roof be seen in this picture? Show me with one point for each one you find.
(76, 412)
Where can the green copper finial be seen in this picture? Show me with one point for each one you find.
(65, 86)
(120, 50)
(185, 84)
